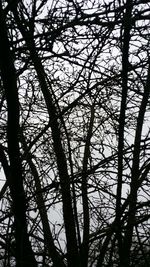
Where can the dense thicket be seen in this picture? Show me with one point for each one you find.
(74, 133)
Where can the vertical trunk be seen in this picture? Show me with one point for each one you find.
(24, 253)
(63, 173)
(86, 219)
(135, 175)
(125, 54)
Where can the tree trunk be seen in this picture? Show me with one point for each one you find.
(24, 253)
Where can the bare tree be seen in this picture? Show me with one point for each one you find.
(74, 133)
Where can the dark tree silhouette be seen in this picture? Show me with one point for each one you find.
(74, 133)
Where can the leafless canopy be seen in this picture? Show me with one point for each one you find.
(74, 133)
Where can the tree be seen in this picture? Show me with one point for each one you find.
(74, 133)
